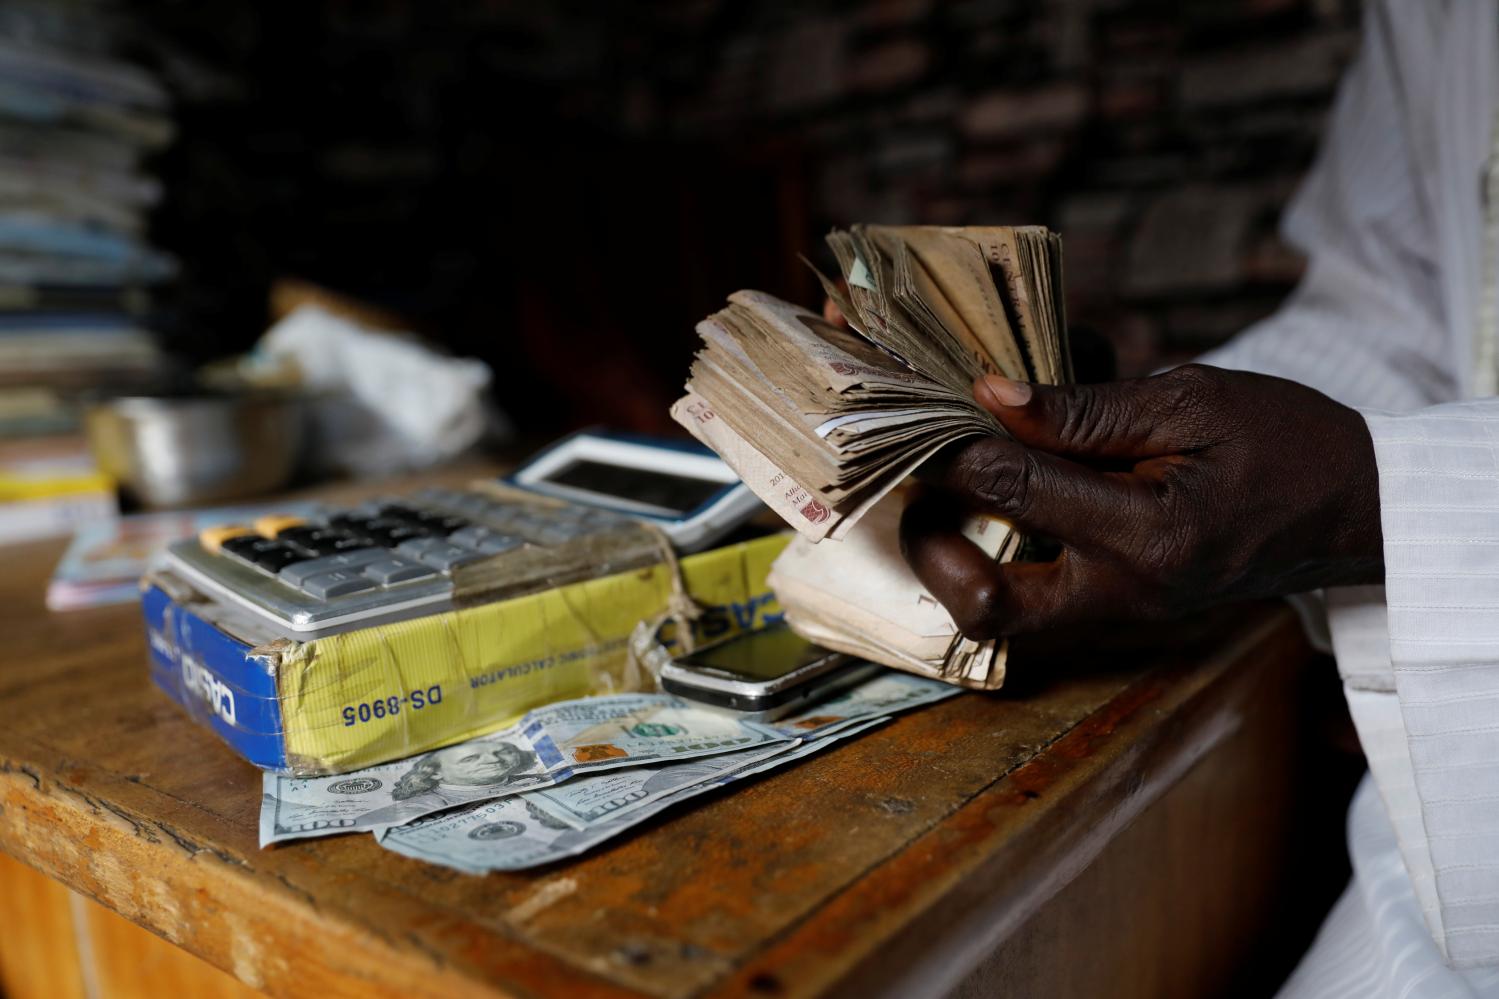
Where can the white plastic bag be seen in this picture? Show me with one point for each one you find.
(384, 402)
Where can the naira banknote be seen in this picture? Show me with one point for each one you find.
(824, 421)
(546, 747)
(514, 833)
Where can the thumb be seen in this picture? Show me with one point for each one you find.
(1135, 419)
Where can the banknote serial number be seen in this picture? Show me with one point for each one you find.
(385, 707)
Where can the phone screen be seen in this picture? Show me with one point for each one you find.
(759, 656)
(678, 494)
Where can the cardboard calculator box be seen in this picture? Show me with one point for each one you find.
(351, 700)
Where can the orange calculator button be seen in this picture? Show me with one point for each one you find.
(212, 538)
(273, 525)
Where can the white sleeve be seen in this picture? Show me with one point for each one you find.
(1439, 506)
(1370, 326)
(1365, 325)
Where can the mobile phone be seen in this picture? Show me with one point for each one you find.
(680, 486)
(767, 673)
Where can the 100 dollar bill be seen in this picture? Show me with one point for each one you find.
(547, 746)
(598, 798)
(515, 833)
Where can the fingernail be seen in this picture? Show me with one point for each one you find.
(1002, 391)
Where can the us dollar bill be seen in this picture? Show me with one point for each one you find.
(547, 746)
(513, 834)
(593, 799)
(600, 798)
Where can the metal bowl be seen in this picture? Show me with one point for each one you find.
(169, 451)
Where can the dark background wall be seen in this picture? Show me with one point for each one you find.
(563, 187)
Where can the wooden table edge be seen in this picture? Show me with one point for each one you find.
(850, 944)
(1115, 763)
(288, 920)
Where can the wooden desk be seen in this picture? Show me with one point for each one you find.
(1112, 824)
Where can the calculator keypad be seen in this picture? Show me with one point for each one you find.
(382, 560)
(382, 544)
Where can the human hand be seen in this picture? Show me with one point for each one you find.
(831, 312)
(1167, 494)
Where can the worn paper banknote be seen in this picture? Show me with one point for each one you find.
(824, 421)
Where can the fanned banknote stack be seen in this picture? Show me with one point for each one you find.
(568, 776)
(825, 424)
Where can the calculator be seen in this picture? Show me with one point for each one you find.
(592, 504)
(386, 559)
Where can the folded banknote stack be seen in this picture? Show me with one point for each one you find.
(826, 423)
(568, 776)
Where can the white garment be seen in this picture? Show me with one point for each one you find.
(1374, 943)
(1391, 219)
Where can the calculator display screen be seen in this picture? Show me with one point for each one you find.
(677, 493)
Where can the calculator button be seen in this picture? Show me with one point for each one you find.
(469, 537)
(213, 538)
(363, 529)
(350, 523)
(443, 557)
(318, 541)
(416, 547)
(338, 583)
(442, 523)
(496, 543)
(302, 534)
(388, 572)
(390, 536)
(353, 560)
(245, 546)
(272, 526)
(274, 559)
(483, 540)
(388, 531)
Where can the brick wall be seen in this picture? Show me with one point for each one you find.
(1161, 139)
(535, 181)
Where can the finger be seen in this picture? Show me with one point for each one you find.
(1126, 420)
(833, 314)
(986, 599)
(1037, 492)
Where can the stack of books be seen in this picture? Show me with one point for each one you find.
(50, 486)
(76, 265)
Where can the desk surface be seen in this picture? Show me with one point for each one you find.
(895, 857)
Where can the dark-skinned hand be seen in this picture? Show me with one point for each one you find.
(1166, 494)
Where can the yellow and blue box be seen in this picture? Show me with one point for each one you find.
(351, 700)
